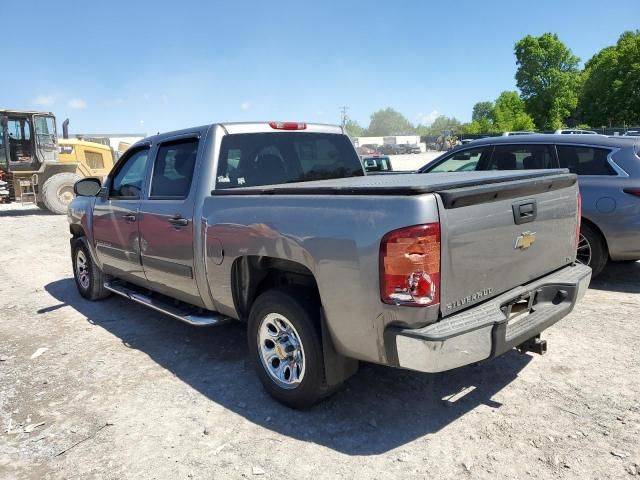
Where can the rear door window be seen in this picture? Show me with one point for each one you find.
(173, 169)
(255, 159)
(462, 161)
(585, 160)
(521, 157)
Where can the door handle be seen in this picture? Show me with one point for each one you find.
(129, 217)
(178, 221)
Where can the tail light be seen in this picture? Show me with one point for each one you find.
(632, 191)
(578, 219)
(410, 266)
(288, 125)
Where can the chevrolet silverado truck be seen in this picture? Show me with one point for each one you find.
(276, 225)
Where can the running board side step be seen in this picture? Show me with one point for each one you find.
(191, 315)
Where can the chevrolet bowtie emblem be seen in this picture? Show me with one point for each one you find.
(525, 240)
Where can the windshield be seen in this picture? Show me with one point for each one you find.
(45, 130)
(255, 159)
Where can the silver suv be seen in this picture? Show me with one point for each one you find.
(608, 170)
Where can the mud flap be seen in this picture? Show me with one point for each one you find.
(337, 367)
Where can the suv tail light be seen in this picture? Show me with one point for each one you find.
(288, 125)
(410, 266)
(632, 191)
(578, 219)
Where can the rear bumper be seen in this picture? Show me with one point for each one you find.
(484, 331)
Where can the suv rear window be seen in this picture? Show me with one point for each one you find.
(585, 160)
(254, 159)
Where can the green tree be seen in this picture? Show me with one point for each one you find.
(478, 126)
(548, 78)
(389, 122)
(509, 113)
(611, 90)
(440, 124)
(353, 128)
(482, 111)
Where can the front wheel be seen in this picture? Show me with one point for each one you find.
(89, 278)
(285, 345)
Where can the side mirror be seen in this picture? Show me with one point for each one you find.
(87, 187)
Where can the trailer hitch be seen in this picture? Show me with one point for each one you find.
(534, 345)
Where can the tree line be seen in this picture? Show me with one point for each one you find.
(554, 92)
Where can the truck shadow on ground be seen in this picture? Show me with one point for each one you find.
(618, 277)
(377, 410)
(24, 211)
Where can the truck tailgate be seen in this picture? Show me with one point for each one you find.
(498, 236)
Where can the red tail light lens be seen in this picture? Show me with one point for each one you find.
(410, 266)
(288, 125)
(578, 219)
(633, 191)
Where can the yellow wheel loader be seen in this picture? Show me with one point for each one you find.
(41, 169)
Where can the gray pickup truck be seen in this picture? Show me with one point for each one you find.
(275, 224)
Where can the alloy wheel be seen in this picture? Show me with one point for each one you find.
(281, 351)
(583, 254)
(82, 269)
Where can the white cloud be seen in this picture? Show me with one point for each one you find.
(77, 104)
(427, 118)
(320, 113)
(44, 100)
(245, 106)
(142, 123)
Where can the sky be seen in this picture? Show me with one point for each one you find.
(147, 67)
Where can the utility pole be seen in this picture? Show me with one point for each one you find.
(343, 115)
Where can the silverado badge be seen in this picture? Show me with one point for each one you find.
(525, 240)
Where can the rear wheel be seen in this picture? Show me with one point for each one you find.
(57, 192)
(592, 249)
(89, 278)
(285, 345)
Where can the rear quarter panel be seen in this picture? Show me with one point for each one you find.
(337, 238)
(614, 212)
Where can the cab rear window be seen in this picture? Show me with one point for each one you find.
(255, 159)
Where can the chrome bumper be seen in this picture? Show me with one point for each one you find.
(484, 332)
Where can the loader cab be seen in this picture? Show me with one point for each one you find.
(27, 140)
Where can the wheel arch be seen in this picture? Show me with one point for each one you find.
(592, 224)
(252, 275)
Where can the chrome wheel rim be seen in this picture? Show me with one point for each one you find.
(583, 254)
(281, 351)
(82, 269)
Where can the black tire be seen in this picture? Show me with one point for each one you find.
(56, 189)
(598, 248)
(41, 205)
(303, 312)
(89, 279)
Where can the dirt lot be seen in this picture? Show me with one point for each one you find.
(123, 392)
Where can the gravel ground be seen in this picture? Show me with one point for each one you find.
(113, 390)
